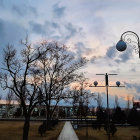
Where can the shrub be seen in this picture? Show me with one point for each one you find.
(42, 128)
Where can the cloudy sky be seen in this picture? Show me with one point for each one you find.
(90, 28)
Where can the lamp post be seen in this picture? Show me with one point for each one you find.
(107, 85)
(129, 37)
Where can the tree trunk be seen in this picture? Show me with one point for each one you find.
(26, 128)
(48, 119)
(48, 112)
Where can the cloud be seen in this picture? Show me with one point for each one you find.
(115, 71)
(10, 32)
(19, 11)
(58, 10)
(93, 59)
(135, 86)
(124, 56)
(121, 57)
(2, 31)
(1, 3)
(82, 50)
(71, 30)
(99, 28)
(111, 52)
(48, 29)
(23, 10)
(37, 28)
(54, 30)
(133, 70)
(109, 57)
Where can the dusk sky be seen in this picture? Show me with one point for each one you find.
(90, 28)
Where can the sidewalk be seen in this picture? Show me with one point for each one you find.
(67, 133)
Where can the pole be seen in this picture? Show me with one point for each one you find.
(108, 115)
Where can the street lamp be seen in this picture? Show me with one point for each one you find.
(129, 37)
(107, 85)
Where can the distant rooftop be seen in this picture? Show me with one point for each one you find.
(4, 102)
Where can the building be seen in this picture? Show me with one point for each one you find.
(6, 109)
(136, 105)
(14, 110)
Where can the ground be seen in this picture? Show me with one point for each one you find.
(123, 133)
(67, 133)
(13, 131)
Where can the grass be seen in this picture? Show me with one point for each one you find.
(89, 117)
(123, 133)
(13, 131)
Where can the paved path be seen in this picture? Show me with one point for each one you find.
(67, 133)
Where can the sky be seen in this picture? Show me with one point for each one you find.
(90, 28)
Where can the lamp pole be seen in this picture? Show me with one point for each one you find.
(106, 80)
(107, 85)
(108, 112)
(129, 38)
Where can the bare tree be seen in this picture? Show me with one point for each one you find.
(81, 98)
(116, 101)
(128, 103)
(39, 74)
(58, 69)
(20, 76)
(99, 100)
(133, 99)
(75, 101)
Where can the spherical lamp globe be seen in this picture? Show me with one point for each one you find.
(121, 46)
(95, 83)
(118, 83)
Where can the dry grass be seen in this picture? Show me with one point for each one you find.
(123, 133)
(13, 131)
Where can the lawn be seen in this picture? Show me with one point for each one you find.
(123, 133)
(11, 130)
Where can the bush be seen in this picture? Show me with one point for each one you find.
(112, 128)
(96, 125)
(54, 122)
(42, 128)
(18, 112)
(101, 116)
(133, 117)
(119, 116)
